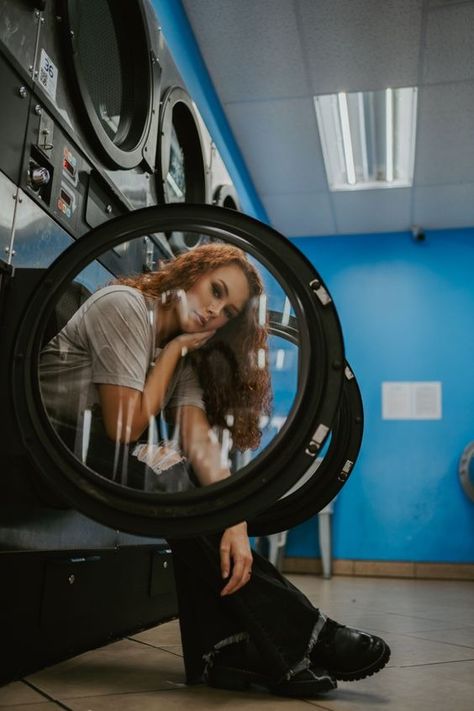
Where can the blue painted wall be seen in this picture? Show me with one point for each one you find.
(407, 312)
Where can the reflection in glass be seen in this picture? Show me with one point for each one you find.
(176, 177)
(164, 381)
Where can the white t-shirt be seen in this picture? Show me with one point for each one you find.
(110, 339)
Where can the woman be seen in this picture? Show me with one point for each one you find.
(187, 340)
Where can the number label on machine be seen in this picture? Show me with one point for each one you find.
(48, 74)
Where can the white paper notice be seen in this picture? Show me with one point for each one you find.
(411, 401)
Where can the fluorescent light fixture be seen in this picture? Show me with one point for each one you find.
(280, 359)
(285, 318)
(262, 310)
(389, 135)
(346, 138)
(368, 138)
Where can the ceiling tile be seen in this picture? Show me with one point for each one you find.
(437, 3)
(445, 144)
(352, 45)
(439, 206)
(449, 53)
(251, 49)
(372, 210)
(300, 214)
(280, 144)
(267, 59)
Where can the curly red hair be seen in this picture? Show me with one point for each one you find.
(233, 365)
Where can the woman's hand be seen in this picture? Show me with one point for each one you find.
(235, 547)
(190, 341)
(126, 411)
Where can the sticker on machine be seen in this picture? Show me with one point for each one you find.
(48, 74)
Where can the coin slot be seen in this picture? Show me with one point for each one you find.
(40, 175)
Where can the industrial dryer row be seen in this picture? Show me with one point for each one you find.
(96, 121)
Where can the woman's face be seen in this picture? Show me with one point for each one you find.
(214, 299)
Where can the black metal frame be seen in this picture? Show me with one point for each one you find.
(226, 196)
(329, 477)
(177, 110)
(245, 494)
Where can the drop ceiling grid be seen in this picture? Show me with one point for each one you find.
(282, 151)
(449, 51)
(445, 150)
(301, 214)
(360, 45)
(251, 48)
(268, 57)
(438, 206)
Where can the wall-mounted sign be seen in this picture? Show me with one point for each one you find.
(411, 400)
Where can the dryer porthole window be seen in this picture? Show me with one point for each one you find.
(111, 344)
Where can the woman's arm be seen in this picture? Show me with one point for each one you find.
(204, 453)
(200, 444)
(126, 412)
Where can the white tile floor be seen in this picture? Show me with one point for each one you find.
(428, 624)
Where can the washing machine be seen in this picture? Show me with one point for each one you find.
(79, 146)
(91, 190)
(273, 486)
(97, 122)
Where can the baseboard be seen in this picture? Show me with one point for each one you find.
(383, 568)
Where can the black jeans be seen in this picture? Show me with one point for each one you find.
(280, 621)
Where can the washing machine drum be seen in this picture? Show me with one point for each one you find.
(226, 196)
(182, 175)
(108, 54)
(270, 378)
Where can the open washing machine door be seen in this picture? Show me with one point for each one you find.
(328, 473)
(258, 478)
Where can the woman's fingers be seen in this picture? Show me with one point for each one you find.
(241, 574)
(235, 547)
(236, 580)
(225, 560)
(192, 341)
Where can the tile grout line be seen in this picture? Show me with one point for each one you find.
(438, 641)
(416, 635)
(137, 692)
(46, 695)
(316, 705)
(154, 646)
(430, 664)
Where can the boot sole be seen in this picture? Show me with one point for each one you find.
(366, 671)
(242, 679)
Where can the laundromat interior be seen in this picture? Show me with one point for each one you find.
(332, 141)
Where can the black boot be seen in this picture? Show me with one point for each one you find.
(238, 667)
(349, 654)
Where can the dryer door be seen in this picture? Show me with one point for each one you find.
(328, 473)
(148, 499)
(114, 74)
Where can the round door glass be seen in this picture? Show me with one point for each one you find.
(109, 60)
(151, 396)
(176, 178)
(102, 70)
(168, 380)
